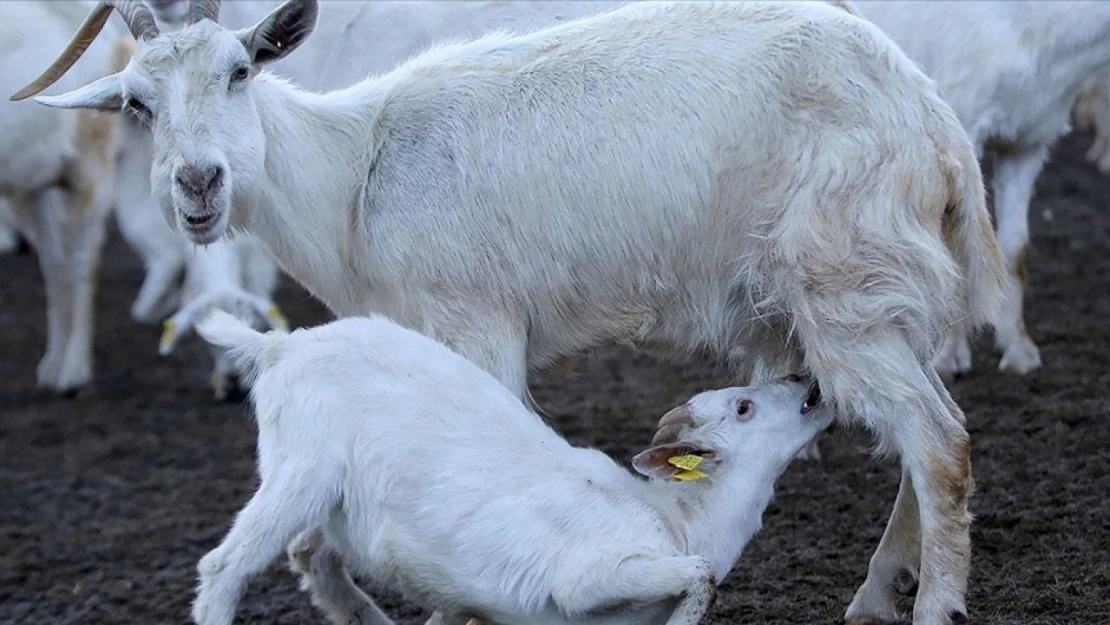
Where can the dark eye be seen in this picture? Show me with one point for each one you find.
(137, 108)
(239, 74)
(744, 409)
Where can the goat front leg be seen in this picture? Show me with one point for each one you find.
(1015, 174)
(325, 577)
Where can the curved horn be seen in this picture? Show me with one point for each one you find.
(140, 21)
(203, 10)
(672, 423)
(134, 12)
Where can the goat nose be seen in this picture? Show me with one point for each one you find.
(198, 182)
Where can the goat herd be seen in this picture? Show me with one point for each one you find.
(480, 190)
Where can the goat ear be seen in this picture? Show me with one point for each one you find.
(280, 32)
(655, 462)
(105, 94)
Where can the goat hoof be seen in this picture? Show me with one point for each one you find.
(905, 583)
(1020, 357)
(23, 248)
(68, 393)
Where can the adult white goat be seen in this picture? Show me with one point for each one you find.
(380, 447)
(56, 179)
(1012, 72)
(771, 181)
(352, 40)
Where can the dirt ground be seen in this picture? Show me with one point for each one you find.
(108, 500)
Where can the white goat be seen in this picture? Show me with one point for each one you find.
(56, 179)
(1012, 71)
(236, 276)
(421, 470)
(1092, 114)
(386, 34)
(382, 35)
(769, 181)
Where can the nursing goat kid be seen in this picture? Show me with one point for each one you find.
(774, 182)
(384, 449)
(1012, 71)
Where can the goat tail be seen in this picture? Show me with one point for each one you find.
(969, 235)
(251, 351)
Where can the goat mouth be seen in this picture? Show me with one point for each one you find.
(199, 223)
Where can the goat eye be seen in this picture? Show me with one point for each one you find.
(744, 409)
(137, 108)
(239, 74)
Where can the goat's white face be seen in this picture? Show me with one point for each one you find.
(193, 88)
(765, 425)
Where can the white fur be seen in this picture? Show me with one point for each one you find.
(352, 40)
(1092, 114)
(56, 170)
(9, 235)
(772, 182)
(1012, 72)
(422, 471)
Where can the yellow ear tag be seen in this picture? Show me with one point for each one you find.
(280, 323)
(689, 465)
(169, 329)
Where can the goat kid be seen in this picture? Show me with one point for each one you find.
(384, 449)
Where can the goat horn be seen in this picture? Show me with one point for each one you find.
(203, 10)
(672, 423)
(138, 18)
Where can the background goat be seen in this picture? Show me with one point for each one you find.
(1012, 71)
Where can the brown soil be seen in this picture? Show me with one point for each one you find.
(108, 500)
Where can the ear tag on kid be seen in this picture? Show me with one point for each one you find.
(689, 465)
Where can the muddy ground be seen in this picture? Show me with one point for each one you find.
(108, 500)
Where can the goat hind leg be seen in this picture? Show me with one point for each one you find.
(294, 498)
(325, 577)
(42, 217)
(894, 565)
(936, 459)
